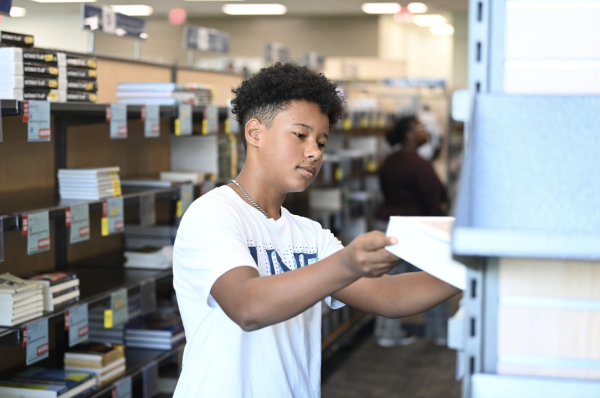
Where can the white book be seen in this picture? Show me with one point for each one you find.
(11, 54)
(119, 363)
(425, 243)
(64, 286)
(154, 340)
(8, 69)
(28, 310)
(24, 318)
(19, 297)
(93, 172)
(87, 196)
(72, 183)
(10, 284)
(14, 94)
(97, 190)
(12, 82)
(181, 176)
(6, 306)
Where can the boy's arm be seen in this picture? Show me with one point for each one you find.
(395, 296)
(254, 302)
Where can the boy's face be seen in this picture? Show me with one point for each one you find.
(291, 149)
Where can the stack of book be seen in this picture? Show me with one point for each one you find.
(97, 331)
(150, 257)
(161, 330)
(82, 78)
(31, 74)
(60, 289)
(137, 237)
(20, 300)
(106, 361)
(164, 94)
(48, 382)
(90, 184)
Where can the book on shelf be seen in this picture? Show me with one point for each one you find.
(20, 300)
(137, 237)
(147, 182)
(48, 382)
(91, 172)
(41, 94)
(91, 184)
(81, 96)
(81, 85)
(60, 288)
(30, 82)
(106, 361)
(81, 74)
(16, 39)
(150, 257)
(182, 176)
(161, 330)
(81, 61)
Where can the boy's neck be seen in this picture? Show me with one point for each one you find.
(260, 191)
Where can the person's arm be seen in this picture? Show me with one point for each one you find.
(255, 302)
(396, 296)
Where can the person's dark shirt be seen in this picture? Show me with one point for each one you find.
(410, 187)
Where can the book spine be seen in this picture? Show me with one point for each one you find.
(16, 39)
(40, 82)
(78, 85)
(40, 70)
(42, 95)
(82, 74)
(77, 96)
(82, 62)
(46, 58)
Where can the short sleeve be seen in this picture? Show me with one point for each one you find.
(210, 241)
(330, 245)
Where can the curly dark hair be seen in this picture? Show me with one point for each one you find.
(272, 89)
(397, 134)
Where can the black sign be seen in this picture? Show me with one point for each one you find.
(106, 20)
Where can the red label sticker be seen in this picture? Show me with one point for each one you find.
(25, 112)
(122, 131)
(67, 325)
(41, 350)
(44, 133)
(143, 113)
(84, 231)
(114, 392)
(24, 336)
(156, 128)
(104, 209)
(25, 225)
(119, 226)
(43, 243)
(108, 113)
(68, 217)
(83, 331)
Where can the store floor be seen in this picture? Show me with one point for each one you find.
(365, 370)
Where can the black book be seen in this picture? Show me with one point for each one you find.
(55, 278)
(81, 96)
(40, 57)
(81, 85)
(79, 61)
(16, 39)
(40, 82)
(81, 74)
(42, 95)
(36, 70)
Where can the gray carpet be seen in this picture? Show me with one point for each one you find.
(364, 370)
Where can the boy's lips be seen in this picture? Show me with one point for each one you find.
(308, 170)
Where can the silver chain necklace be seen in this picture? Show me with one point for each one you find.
(250, 200)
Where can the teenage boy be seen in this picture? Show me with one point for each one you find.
(250, 276)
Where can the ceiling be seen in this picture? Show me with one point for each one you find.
(213, 8)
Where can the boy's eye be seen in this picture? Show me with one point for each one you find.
(300, 135)
(321, 145)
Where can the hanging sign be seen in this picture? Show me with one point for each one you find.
(151, 119)
(112, 217)
(37, 116)
(35, 339)
(76, 322)
(105, 20)
(78, 219)
(205, 39)
(116, 114)
(37, 228)
(183, 123)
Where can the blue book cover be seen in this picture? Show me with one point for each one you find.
(66, 378)
(39, 385)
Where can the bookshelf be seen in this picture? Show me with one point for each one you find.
(80, 138)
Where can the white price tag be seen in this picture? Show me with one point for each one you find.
(76, 322)
(120, 307)
(37, 116)
(38, 232)
(122, 388)
(183, 124)
(79, 221)
(151, 118)
(112, 216)
(35, 338)
(116, 114)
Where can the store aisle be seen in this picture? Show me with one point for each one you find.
(364, 370)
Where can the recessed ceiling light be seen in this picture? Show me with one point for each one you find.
(381, 8)
(417, 8)
(134, 9)
(442, 30)
(429, 20)
(64, 1)
(17, 12)
(254, 9)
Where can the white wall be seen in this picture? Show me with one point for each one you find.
(62, 32)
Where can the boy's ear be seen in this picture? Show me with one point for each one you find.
(251, 132)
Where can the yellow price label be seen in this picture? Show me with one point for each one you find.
(119, 303)
(92, 64)
(115, 211)
(108, 319)
(49, 57)
(372, 166)
(339, 174)
(227, 128)
(179, 211)
(104, 226)
(177, 126)
(93, 73)
(52, 83)
(53, 96)
(93, 98)
(53, 71)
(346, 124)
(89, 86)
(204, 126)
(28, 39)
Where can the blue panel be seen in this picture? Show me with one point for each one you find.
(5, 6)
(530, 185)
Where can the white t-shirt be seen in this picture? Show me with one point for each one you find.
(219, 232)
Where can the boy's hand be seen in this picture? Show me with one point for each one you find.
(367, 257)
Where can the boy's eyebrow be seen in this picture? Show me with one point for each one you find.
(306, 126)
